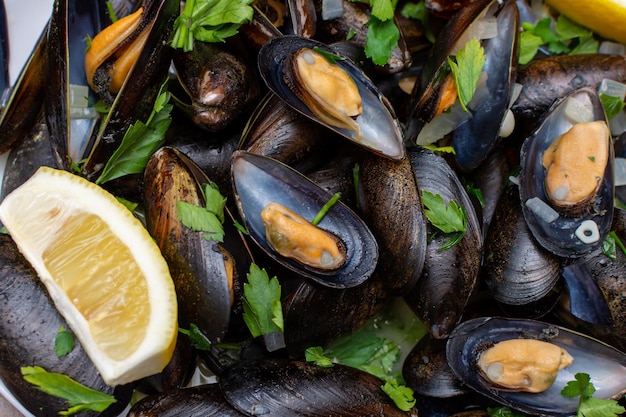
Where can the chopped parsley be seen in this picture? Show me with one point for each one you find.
(450, 219)
(610, 245)
(140, 141)
(197, 338)
(612, 105)
(63, 342)
(210, 21)
(208, 219)
(589, 406)
(564, 37)
(466, 68)
(262, 310)
(79, 397)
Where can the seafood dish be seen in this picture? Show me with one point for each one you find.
(364, 208)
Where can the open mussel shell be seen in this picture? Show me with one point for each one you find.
(259, 180)
(605, 364)
(379, 128)
(560, 235)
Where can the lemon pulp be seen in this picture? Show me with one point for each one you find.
(109, 290)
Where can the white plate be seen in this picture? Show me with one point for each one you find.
(26, 20)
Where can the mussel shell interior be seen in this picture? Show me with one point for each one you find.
(605, 365)
(559, 236)
(259, 180)
(381, 132)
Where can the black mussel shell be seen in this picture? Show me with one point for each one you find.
(381, 132)
(559, 236)
(259, 180)
(605, 364)
(293, 388)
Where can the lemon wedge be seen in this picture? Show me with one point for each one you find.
(102, 269)
(605, 17)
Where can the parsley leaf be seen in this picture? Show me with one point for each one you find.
(466, 69)
(63, 342)
(262, 310)
(316, 355)
(439, 149)
(612, 105)
(197, 338)
(401, 395)
(381, 39)
(206, 219)
(587, 405)
(79, 397)
(140, 141)
(210, 21)
(557, 37)
(450, 219)
(329, 56)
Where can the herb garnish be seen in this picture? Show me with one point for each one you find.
(63, 342)
(419, 11)
(401, 395)
(140, 141)
(450, 219)
(79, 397)
(612, 105)
(206, 219)
(503, 412)
(589, 406)
(610, 245)
(197, 338)
(320, 215)
(466, 68)
(557, 38)
(439, 149)
(330, 57)
(210, 21)
(262, 310)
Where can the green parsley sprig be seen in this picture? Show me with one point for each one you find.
(63, 342)
(451, 219)
(564, 37)
(79, 397)
(612, 105)
(589, 406)
(210, 21)
(197, 338)
(208, 219)
(610, 245)
(466, 68)
(140, 141)
(382, 33)
(262, 309)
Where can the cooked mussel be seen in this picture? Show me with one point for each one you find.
(293, 388)
(566, 183)
(605, 364)
(259, 181)
(205, 272)
(338, 94)
(475, 129)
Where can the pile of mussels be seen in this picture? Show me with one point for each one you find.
(280, 128)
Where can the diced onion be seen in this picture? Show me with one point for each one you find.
(577, 112)
(612, 88)
(332, 9)
(442, 124)
(508, 124)
(542, 210)
(619, 172)
(612, 48)
(588, 232)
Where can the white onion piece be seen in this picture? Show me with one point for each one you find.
(576, 111)
(483, 28)
(508, 124)
(588, 232)
(542, 210)
(608, 47)
(332, 9)
(618, 124)
(612, 88)
(516, 90)
(619, 172)
(442, 124)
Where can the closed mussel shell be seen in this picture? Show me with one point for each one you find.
(293, 388)
(199, 267)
